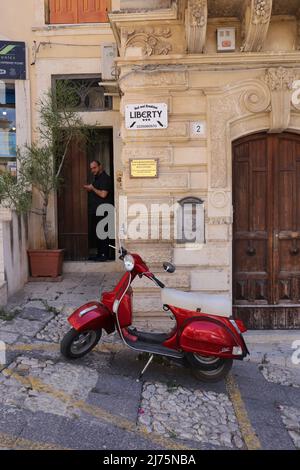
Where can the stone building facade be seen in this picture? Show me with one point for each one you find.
(168, 53)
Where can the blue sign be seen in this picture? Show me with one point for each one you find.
(12, 60)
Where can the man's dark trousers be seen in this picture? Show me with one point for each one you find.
(102, 245)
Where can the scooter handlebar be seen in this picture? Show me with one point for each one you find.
(158, 282)
(122, 251)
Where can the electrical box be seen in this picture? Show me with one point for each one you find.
(108, 55)
(225, 39)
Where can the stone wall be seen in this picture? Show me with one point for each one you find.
(183, 171)
(13, 250)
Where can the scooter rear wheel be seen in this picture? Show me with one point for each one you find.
(77, 344)
(209, 369)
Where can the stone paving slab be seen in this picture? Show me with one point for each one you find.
(253, 385)
(265, 419)
(291, 419)
(262, 400)
(20, 326)
(8, 338)
(119, 395)
(36, 314)
(85, 434)
(74, 380)
(12, 419)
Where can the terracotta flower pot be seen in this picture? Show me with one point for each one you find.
(45, 263)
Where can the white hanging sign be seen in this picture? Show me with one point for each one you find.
(146, 116)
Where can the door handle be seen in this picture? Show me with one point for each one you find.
(251, 251)
(294, 251)
(276, 238)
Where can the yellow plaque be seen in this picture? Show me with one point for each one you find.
(146, 168)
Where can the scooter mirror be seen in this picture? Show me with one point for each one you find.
(169, 267)
(121, 238)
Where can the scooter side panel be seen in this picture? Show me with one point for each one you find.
(92, 316)
(208, 338)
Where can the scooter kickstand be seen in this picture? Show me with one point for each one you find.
(145, 368)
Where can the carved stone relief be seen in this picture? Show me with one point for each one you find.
(149, 39)
(219, 199)
(196, 24)
(256, 23)
(151, 79)
(256, 98)
(272, 93)
(280, 82)
(251, 97)
(222, 110)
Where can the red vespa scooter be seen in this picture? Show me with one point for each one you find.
(206, 342)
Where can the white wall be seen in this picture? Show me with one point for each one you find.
(13, 248)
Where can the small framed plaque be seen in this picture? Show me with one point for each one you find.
(144, 168)
(198, 129)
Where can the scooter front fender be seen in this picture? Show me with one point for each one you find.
(92, 316)
(211, 337)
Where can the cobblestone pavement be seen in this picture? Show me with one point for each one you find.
(280, 375)
(291, 418)
(207, 417)
(96, 402)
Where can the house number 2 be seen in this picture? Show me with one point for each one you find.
(198, 129)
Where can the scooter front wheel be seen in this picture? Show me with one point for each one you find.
(77, 344)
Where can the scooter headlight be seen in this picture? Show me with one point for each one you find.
(129, 262)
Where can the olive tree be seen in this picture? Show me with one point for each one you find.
(40, 164)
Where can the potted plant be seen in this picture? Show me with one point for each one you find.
(39, 169)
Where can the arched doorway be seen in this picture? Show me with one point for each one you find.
(266, 230)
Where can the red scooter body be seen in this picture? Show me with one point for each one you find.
(92, 316)
(196, 333)
(205, 334)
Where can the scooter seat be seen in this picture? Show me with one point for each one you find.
(214, 304)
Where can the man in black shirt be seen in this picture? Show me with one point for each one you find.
(99, 192)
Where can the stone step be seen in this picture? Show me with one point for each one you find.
(177, 280)
(153, 321)
(147, 302)
(152, 253)
(92, 267)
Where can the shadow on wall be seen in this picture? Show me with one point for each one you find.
(13, 255)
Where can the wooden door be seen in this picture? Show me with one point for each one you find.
(79, 11)
(93, 11)
(73, 206)
(63, 11)
(266, 234)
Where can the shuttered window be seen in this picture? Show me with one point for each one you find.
(78, 11)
